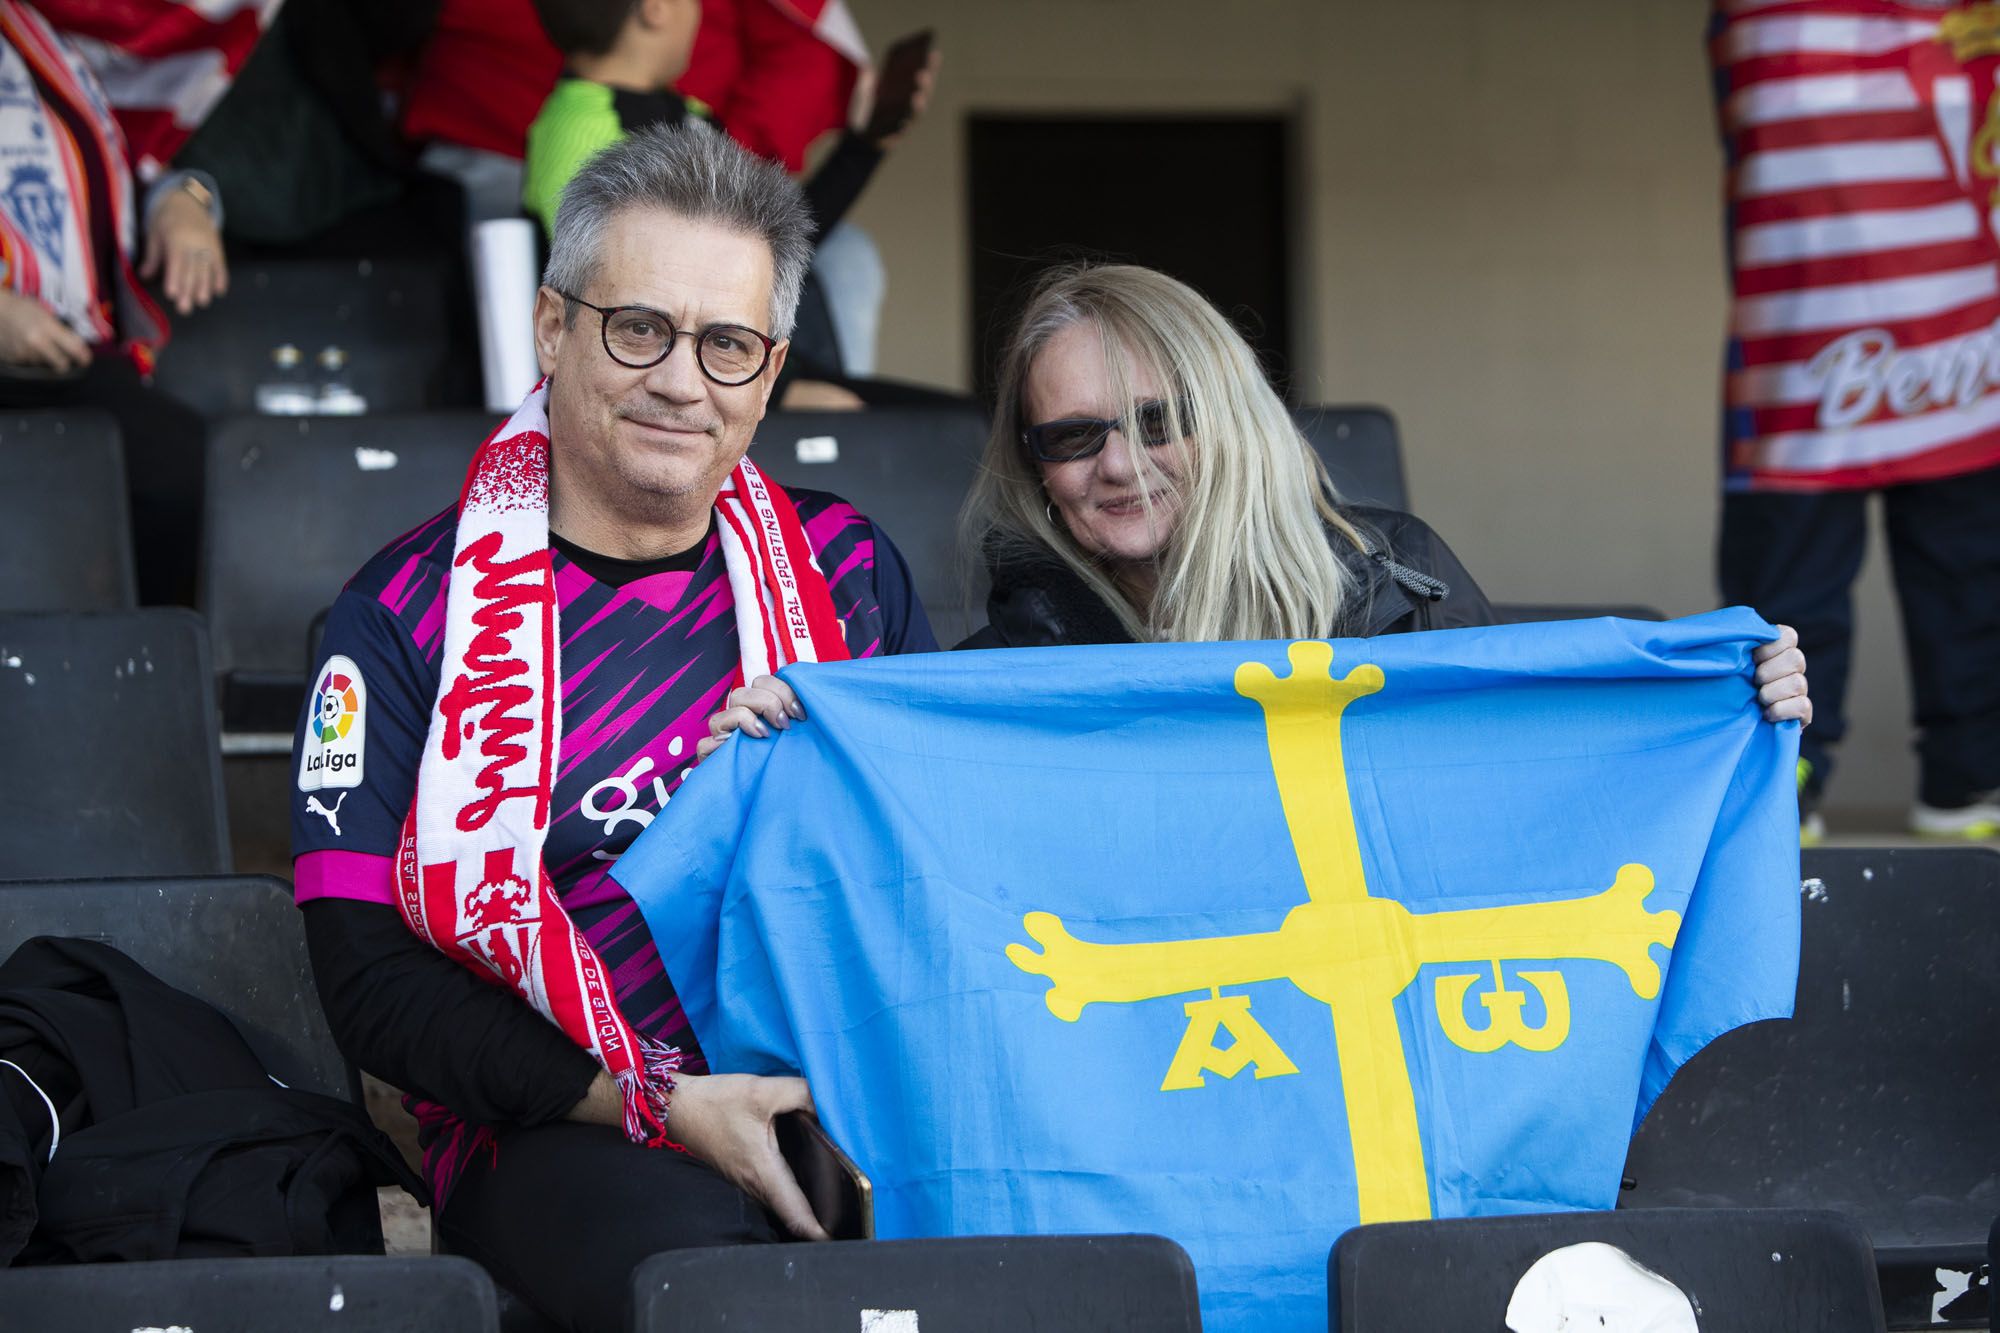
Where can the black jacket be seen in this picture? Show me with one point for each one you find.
(1409, 580)
(169, 1140)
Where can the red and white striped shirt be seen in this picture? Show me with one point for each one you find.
(1865, 335)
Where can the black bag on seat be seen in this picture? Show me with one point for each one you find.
(135, 1123)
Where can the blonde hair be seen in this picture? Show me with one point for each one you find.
(1248, 557)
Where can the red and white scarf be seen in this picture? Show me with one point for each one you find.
(58, 175)
(470, 878)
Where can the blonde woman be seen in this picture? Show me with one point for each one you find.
(1143, 483)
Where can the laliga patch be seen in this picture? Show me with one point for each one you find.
(337, 730)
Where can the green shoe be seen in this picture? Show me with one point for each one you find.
(1812, 828)
(1976, 821)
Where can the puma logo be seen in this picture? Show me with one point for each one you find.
(332, 816)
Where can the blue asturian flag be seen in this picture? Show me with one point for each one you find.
(1242, 944)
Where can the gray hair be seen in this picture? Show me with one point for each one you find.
(695, 172)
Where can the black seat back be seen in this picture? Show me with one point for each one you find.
(65, 542)
(109, 757)
(1745, 1270)
(1877, 1098)
(236, 941)
(975, 1284)
(1361, 448)
(906, 468)
(295, 507)
(326, 1294)
(403, 325)
(1529, 613)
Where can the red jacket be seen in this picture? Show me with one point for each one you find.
(489, 66)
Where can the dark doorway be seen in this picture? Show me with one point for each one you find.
(1202, 199)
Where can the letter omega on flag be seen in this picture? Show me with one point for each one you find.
(1353, 952)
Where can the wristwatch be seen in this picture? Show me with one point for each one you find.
(202, 194)
(197, 185)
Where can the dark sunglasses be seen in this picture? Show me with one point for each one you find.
(1074, 438)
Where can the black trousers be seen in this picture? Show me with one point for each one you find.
(166, 444)
(565, 1212)
(1794, 558)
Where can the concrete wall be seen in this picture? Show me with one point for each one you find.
(1510, 235)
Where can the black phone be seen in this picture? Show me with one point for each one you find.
(842, 1198)
(897, 83)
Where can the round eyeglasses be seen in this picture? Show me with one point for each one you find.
(641, 337)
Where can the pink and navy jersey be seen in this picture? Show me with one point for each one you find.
(644, 665)
(1864, 205)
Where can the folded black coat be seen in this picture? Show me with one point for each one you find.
(136, 1123)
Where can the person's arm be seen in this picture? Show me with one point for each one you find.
(840, 179)
(416, 1019)
(183, 243)
(832, 189)
(397, 1007)
(31, 334)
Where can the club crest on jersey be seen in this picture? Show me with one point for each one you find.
(336, 729)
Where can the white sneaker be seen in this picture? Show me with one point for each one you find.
(1978, 820)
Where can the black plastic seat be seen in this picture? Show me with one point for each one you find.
(328, 1294)
(1361, 448)
(109, 758)
(403, 326)
(908, 469)
(65, 538)
(236, 941)
(295, 507)
(974, 1284)
(1877, 1099)
(1745, 1270)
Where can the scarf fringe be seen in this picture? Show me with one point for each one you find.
(649, 1092)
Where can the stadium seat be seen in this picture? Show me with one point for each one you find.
(1744, 1270)
(1877, 1099)
(295, 507)
(315, 636)
(976, 1284)
(1529, 613)
(236, 941)
(1360, 447)
(109, 760)
(403, 326)
(327, 1294)
(67, 543)
(908, 469)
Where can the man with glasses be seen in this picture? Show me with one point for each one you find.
(672, 280)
